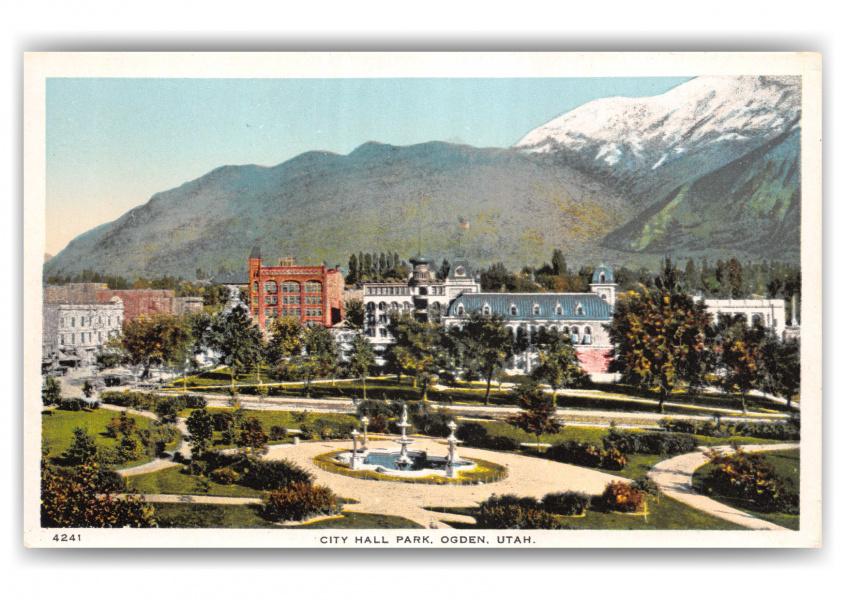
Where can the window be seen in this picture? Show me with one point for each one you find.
(313, 287)
(255, 287)
(290, 286)
(73, 322)
(424, 291)
(587, 337)
(536, 310)
(460, 310)
(575, 335)
(486, 310)
(579, 310)
(459, 271)
(270, 299)
(602, 278)
(383, 332)
(512, 311)
(266, 312)
(603, 296)
(382, 306)
(558, 310)
(73, 338)
(270, 287)
(62, 340)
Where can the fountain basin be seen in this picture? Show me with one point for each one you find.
(389, 462)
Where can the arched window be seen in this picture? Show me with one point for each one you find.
(459, 310)
(382, 306)
(587, 338)
(512, 310)
(602, 278)
(603, 296)
(436, 306)
(574, 335)
(536, 310)
(486, 309)
(558, 310)
(313, 287)
(394, 306)
(579, 309)
(406, 306)
(371, 307)
(459, 271)
(270, 287)
(290, 286)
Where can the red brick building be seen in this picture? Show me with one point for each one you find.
(311, 294)
(137, 302)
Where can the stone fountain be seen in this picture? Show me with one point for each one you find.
(403, 461)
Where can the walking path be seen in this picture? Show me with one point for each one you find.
(674, 477)
(156, 464)
(527, 476)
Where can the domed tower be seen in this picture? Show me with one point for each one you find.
(602, 284)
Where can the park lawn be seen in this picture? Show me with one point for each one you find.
(238, 516)
(173, 481)
(57, 428)
(787, 467)
(662, 513)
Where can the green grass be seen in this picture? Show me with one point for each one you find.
(474, 393)
(662, 513)
(173, 481)
(484, 471)
(217, 516)
(57, 431)
(787, 467)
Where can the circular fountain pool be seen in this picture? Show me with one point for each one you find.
(387, 462)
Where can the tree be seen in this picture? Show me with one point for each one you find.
(781, 368)
(152, 342)
(353, 275)
(742, 361)
(252, 436)
(416, 349)
(51, 392)
(355, 313)
(88, 388)
(558, 364)
(559, 263)
(360, 361)
(237, 340)
(285, 340)
(487, 345)
(656, 334)
(83, 497)
(319, 360)
(83, 449)
(537, 412)
(443, 272)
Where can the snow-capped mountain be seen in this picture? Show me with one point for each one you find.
(650, 145)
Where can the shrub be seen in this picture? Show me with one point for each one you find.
(329, 429)
(276, 433)
(224, 475)
(633, 442)
(298, 502)
(262, 474)
(502, 443)
(432, 423)
(781, 430)
(178, 457)
(130, 399)
(575, 453)
(222, 421)
(378, 424)
(511, 512)
(372, 408)
(472, 434)
(72, 404)
(619, 496)
(750, 478)
(568, 504)
(646, 486)
(192, 401)
(613, 459)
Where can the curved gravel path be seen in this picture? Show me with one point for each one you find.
(156, 464)
(527, 476)
(675, 476)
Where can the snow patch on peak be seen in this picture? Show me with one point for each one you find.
(660, 162)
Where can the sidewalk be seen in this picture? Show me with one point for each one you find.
(674, 478)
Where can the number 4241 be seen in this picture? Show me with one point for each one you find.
(73, 537)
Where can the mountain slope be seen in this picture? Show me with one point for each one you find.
(322, 206)
(712, 164)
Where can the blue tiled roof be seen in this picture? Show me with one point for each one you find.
(594, 307)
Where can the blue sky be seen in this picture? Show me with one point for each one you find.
(113, 143)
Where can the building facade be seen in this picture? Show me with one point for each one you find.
(423, 295)
(581, 317)
(312, 294)
(72, 333)
(768, 312)
(137, 303)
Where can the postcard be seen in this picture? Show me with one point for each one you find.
(422, 300)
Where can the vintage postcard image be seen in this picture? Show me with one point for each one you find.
(422, 300)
